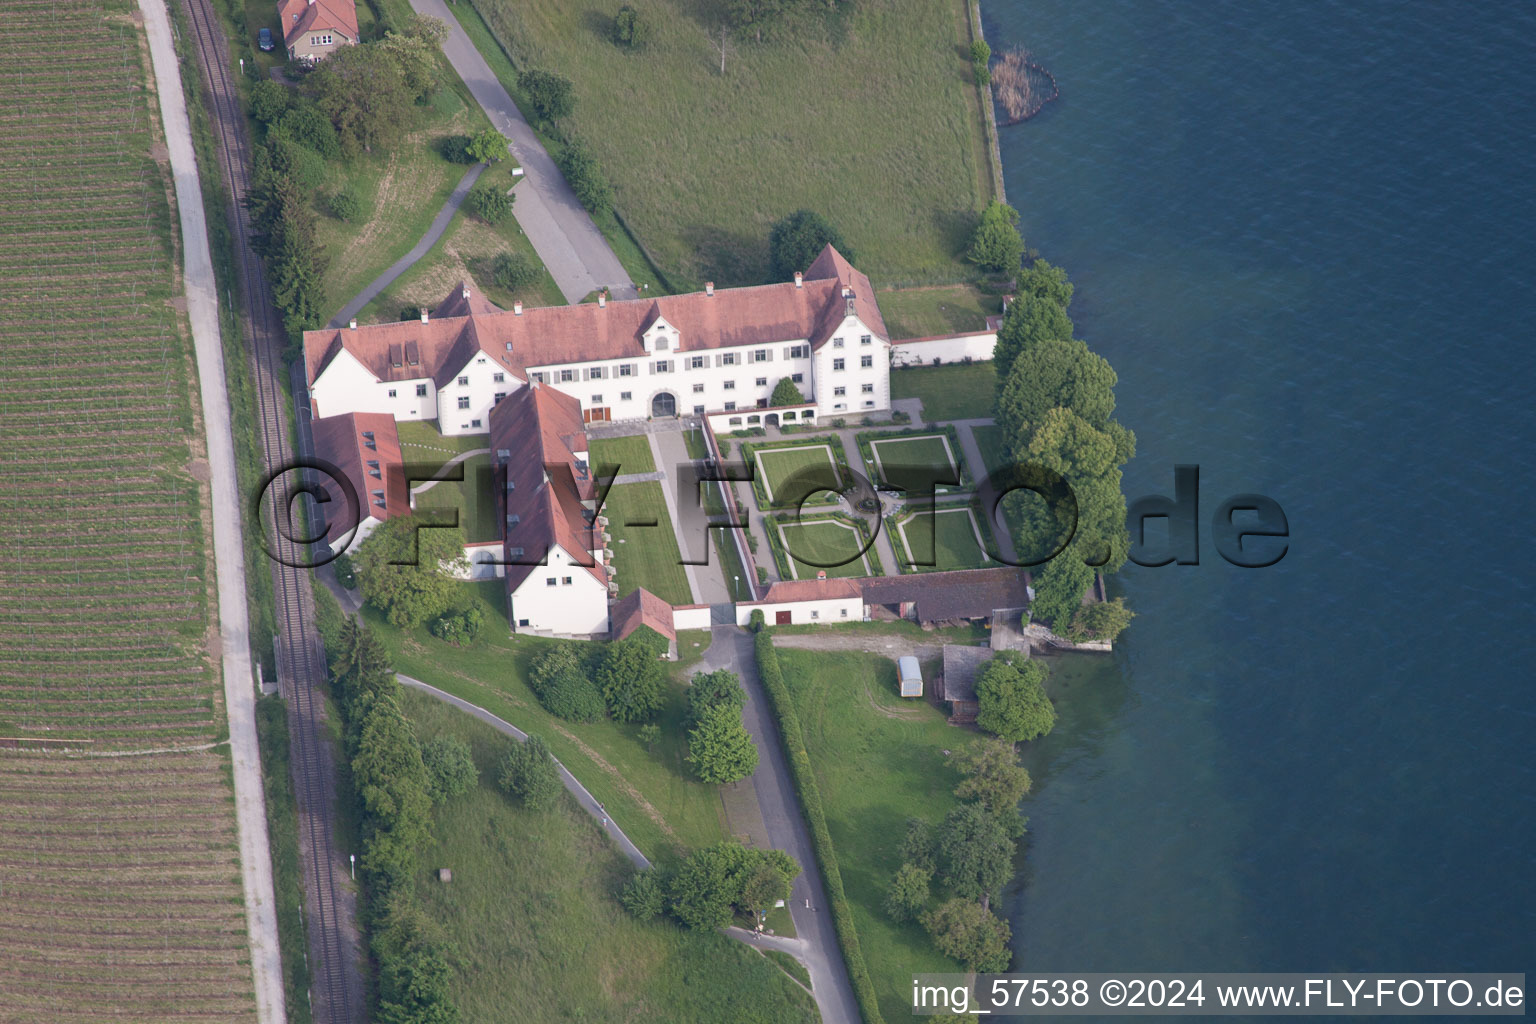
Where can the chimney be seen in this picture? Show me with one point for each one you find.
(517, 308)
(353, 323)
(466, 291)
(798, 279)
(602, 299)
(423, 314)
(709, 287)
(821, 574)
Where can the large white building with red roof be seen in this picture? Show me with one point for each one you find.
(705, 352)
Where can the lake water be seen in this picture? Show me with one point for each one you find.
(1303, 235)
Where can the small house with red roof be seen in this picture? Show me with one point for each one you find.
(313, 29)
(360, 453)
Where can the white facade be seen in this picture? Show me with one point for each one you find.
(851, 372)
(819, 610)
(560, 597)
(954, 348)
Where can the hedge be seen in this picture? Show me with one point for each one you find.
(821, 838)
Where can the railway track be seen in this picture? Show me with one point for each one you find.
(336, 989)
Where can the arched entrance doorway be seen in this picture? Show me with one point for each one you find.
(664, 404)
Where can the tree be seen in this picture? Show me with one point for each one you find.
(550, 95)
(918, 845)
(1011, 701)
(981, 54)
(488, 146)
(720, 688)
(529, 774)
(450, 768)
(364, 92)
(458, 626)
(649, 734)
(558, 677)
(513, 270)
(719, 748)
(416, 56)
(407, 572)
(754, 14)
(631, 680)
(975, 853)
(796, 240)
(644, 895)
(785, 393)
(993, 776)
(309, 127)
(489, 203)
(1059, 589)
(415, 968)
(970, 934)
(1102, 620)
(631, 29)
(701, 894)
(1041, 280)
(1054, 374)
(586, 178)
(300, 163)
(996, 244)
(1030, 319)
(345, 205)
(908, 893)
(764, 886)
(269, 100)
(391, 784)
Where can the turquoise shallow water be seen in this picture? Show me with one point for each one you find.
(1303, 234)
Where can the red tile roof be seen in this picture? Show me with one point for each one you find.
(531, 429)
(639, 608)
(342, 441)
(300, 16)
(962, 594)
(828, 589)
(760, 315)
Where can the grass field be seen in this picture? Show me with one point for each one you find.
(963, 391)
(856, 94)
(946, 538)
(420, 441)
(630, 454)
(879, 760)
(474, 498)
(918, 463)
(645, 556)
(105, 634)
(935, 310)
(790, 474)
(828, 545)
(651, 794)
(533, 913)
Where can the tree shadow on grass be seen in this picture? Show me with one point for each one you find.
(730, 259)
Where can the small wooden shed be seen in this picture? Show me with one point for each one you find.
(910, 675)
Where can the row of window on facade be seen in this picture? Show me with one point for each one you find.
(320, 40)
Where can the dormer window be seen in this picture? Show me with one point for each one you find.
(369, 442)
(373, 469)
(378, 498)
(662, 344)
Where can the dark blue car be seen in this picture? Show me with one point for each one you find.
(264, 40)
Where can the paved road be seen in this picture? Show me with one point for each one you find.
(732, 648)
(420, 249)
(587, 801)
(575, 252)
(228, 546)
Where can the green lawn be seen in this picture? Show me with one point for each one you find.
(474, 497)
(994, 453)
(645, 556)
(421, 442)
(533, 914)
(825, 544)
(947, 309)
(630, 454)
(942, 539)
(878, 761)
(915, 463)
(792, 473)
(961, 391)
(817, 115)
(650, 793)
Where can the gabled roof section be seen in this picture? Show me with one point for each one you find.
(365, 448)
(465, 301)
(300, 16)
(961, 594)
(766, 314)
(536, 433)
(639, 608)
(830, 589)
